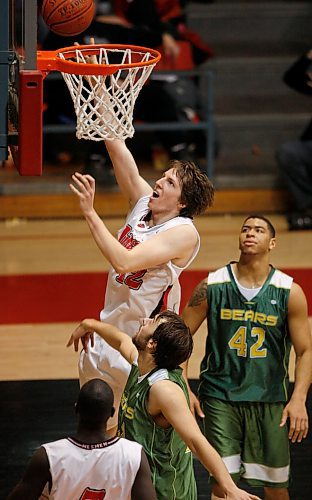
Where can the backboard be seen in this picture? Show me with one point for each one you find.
(20, 87)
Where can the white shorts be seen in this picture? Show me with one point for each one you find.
(104, 362)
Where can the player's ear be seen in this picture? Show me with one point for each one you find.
(272, 243)
(113, 411)
(151, 345)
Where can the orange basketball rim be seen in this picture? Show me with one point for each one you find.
(76, 59)
(104, 82)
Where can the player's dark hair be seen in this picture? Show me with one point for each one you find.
(174, 341)
(197, 191)
(266, 220)
(95, 403)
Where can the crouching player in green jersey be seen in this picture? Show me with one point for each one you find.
(154, 410)
(254, 313)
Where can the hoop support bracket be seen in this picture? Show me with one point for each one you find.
(30, 131)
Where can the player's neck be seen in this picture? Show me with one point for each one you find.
(146, 362)
(251, 273)
(88, 436)
(161, 217)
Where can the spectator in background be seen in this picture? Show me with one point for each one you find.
(167, 19)
(295, 158)
(169, 98)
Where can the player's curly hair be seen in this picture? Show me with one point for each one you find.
(174, 342)
(197, 191)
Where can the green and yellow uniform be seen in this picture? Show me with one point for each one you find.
(248, 343)
(244, 376)
(170, 460)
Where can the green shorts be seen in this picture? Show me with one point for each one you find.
(250, 441)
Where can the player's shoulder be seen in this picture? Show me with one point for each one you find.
(165, 378)
(58, 443)
(131, 446)
(164, 390)
(219, 276)
(297, 295)
(180, 223)
(279, 279)
(161, 374)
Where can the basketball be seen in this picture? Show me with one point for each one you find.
(68, 17)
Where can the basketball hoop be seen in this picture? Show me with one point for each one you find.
(104, 82)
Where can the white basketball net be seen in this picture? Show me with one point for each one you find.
(104, 104)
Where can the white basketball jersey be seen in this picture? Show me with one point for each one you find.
(100, 471)
(136, 295)
(131, 297)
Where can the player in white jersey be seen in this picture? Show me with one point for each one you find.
(90, 465)
(157, 242)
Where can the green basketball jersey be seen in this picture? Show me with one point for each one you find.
(248, 343)
(170, 460)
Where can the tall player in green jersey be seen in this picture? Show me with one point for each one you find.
(254, 313)
(154, 410)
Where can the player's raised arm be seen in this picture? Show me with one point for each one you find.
(112, 335)
(129, 180)
(175, 244)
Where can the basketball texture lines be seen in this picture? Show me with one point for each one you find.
(68, 17)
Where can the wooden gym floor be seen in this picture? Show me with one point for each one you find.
(51, 276)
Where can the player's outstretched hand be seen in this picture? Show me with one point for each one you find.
(84, 188)
(84, 334)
